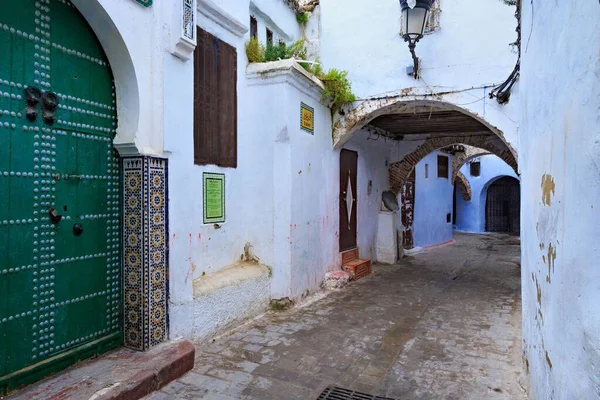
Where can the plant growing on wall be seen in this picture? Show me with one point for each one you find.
(338, 89)
(302, 18)
(255, 51)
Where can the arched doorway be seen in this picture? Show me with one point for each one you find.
(60, 212)
(502, 207)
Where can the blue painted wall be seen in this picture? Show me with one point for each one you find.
(470, 215)
(433, 200)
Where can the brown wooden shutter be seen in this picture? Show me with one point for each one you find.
(215, 102)
(228, 104)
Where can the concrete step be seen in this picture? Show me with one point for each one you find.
(357, 268)
(121, 374)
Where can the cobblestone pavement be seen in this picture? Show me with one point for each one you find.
(444, 324)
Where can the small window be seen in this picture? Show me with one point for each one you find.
(215, 102)
(448, 218)
(442, 167)
(253, 27)
(269, 37)
(426, 171)
(476, 168)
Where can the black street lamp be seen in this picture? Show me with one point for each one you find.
(414, 18)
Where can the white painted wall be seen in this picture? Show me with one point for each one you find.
(560, 164)
(196, 248)
(470, 215)
(468, 55)
(433, 200)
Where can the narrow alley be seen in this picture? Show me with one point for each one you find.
(444, 324)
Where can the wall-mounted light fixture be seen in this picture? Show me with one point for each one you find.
(414, 18)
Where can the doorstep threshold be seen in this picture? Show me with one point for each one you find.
(118, 374)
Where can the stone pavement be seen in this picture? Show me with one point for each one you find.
(444, 324)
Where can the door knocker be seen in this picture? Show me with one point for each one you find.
(49, 104)
(33, 96)
(49, 101)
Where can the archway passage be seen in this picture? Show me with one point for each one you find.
(60, 269)
(399, 171)
(502, 209)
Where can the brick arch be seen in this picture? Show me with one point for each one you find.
(352, 118)
(465, 186)
(461, 159)
(400, 171)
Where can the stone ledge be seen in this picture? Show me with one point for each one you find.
(232, 275)
(122, 374)
(227, 298)
(285, 71)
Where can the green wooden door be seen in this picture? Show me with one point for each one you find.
(60, 283)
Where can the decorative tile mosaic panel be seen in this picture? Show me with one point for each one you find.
(145, 251)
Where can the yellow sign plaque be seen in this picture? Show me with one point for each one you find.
(307, 118)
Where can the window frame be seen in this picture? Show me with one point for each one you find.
(441, 168)
(270, 37)
(478, 168)
(253, 27)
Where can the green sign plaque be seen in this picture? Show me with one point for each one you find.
(214, 197)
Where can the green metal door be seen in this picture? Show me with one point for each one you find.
(60, 282)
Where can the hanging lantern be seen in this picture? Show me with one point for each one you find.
(414, 18)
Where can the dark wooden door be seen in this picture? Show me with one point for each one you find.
(348, 170)
(503, 206)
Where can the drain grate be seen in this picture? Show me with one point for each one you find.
(337, 393)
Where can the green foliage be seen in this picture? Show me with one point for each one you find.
(275, 52)
(314, 69)
(297, 50)
(255, 50)
(338, 89)
(509, 2)
(281, 51)
(302, 18)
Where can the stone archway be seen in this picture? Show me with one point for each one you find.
(127, 89)
(413, 99)
(400, 171)
(464, 185)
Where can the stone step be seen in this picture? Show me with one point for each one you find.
(121, 374)
(357, 268)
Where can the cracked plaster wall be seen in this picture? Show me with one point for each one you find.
(559, 158)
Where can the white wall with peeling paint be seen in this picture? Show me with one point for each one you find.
(559, 160)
